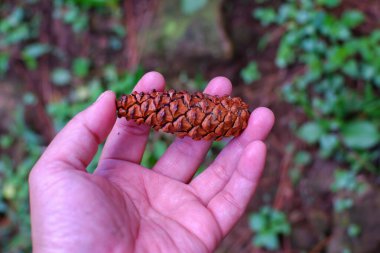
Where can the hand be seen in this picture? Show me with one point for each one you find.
(124, 207)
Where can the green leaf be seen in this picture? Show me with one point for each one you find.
(341, 205)
(16, 16)
(6, 141)
(96, 3)
(4, 63)
(257, 222)
(61, 77)
(35, 50)
(285, 54)
(191, 6)
(159, 148)
(351, 68)
(353, 230)
(29, 99)
(352, 18)
(250, 73)
(267, 240)
(81, 67)
(302, 158)
(360, 134)
(344, 180)
(295, 175)
(266, 16)
(329, 3)
(310, 132)
(328, 143)
(32, 52)
(17, 35)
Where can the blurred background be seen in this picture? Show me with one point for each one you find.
(315, 63)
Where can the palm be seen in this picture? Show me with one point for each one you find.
(149, 209)
(124, 207)
(167, 212)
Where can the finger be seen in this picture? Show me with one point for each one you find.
(214, 178)
(229, 204)
(127, 140)
(76, 144)
(184, 156)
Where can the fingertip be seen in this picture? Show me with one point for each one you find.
(253, 160)
(149, 81)
(106, 101)
(260, 124)
(108, 96)
(219, 85)
(263, 114)
(103, 110)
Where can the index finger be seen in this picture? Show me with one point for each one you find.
(127, 139)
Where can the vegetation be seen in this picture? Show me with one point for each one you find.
(338, 89)
(268, 224)
(328, 51)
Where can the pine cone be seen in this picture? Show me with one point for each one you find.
(199, 115)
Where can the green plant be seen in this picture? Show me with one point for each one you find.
(16, 28)
(250, 73)
(344, 120)
(268, 224)
(191, 6)
(15, 164)
(353, 230)
(337, 89)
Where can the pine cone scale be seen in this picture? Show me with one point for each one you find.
(199, 115)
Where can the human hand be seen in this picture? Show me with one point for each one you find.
(124, 207)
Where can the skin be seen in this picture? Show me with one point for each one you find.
(124, 207)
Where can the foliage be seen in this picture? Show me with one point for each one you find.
(268, 225)
(338, 89)
(192, 6)
(79, 78)
(250, 73)
(20, 146)
(16, 27)
(15, 164)
(343, 122)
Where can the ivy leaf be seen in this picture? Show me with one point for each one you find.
(353, 230)
(266, 16)
(159, 148)
(310, 132)
(81, 67)
(352, 18)
(191, 6)
(4, 63)
(341, 205)
(328, 143)
(35, 50)
(250, 73)
(257, 222)
(61, 77)
(302, 158)
(360, 134)
(267, 240)
(329, 3)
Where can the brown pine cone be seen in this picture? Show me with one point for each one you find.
(199, 115)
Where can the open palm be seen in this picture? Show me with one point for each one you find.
(124, 207)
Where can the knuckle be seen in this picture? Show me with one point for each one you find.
(220, 172)
(231, 201)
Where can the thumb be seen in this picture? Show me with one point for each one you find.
(76, 144)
